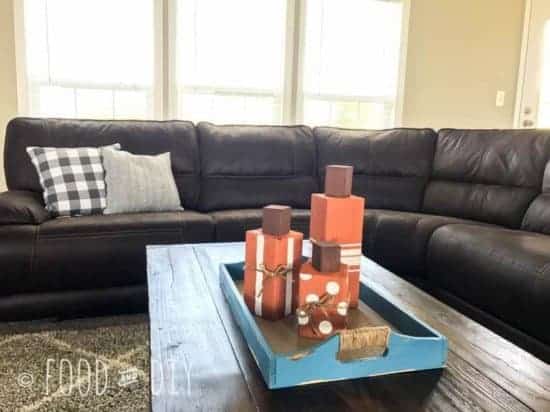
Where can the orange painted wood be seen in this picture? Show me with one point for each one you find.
(272, 291)
(329, 316)
(336, 219)
(339, 220)
(314, 282)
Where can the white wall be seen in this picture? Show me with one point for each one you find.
(460, 52)
(8, 85)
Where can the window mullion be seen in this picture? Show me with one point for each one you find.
(160, 88)
(23, 101)
(291, 62)
(400, 97)
(298, 70)
(171, 86)
(165, 59)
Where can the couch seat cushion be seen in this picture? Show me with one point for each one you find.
(398, 240)
(231, 225)
(503, 272)
(106, 251)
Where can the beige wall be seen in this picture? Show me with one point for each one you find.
(460, 53)
(8, 89)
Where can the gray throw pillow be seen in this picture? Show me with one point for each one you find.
(139, 183)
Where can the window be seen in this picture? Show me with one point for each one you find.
(89, 59)
(352, 50)
(319, 62)
(229, 60)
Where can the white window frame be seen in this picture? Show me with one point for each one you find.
(286, 95)
(398, 101)
(23, 105)
(404, 47)
(164, 95)
(20, 59)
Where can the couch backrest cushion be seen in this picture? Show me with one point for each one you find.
(487, 175)
(537, 218)
(252, 166)
(139, 137)
(391, 167)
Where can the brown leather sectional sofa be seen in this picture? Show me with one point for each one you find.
(464, 214)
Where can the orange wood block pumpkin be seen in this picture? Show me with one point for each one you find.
(337, 216)
(272, 263)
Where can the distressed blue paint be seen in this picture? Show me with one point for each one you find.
(422, 348)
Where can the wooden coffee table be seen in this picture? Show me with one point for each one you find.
(200, 361)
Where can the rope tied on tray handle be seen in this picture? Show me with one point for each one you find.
(364, 342)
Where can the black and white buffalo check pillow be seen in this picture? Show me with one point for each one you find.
(73, 179)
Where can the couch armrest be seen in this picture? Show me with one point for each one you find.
(22, 207)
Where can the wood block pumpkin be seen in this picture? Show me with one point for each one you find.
(272, 263)
(337, 217)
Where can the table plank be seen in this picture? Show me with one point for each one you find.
(512, 368)
(192, 362)
(461, 386)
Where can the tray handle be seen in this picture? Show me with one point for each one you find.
(364, 342)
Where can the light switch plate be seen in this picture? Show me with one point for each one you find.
(501, 94)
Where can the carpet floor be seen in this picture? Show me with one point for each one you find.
(98, 364)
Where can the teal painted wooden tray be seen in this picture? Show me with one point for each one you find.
(415, 347)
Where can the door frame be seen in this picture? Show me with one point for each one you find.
(522, 64)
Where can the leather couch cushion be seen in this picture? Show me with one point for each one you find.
(231, 225)
(399, 240)
(487, 175)
(546, 179)
(74, 303)
(537, 218)
(253, 166)
(16, 253)
(495, 204)
(503, 272)
(192, 226)
(106, 251)
(391, 167)
(22, 207)
(138, 137)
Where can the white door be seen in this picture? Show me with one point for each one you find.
(533, 103)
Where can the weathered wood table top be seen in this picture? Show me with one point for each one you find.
(200, 360)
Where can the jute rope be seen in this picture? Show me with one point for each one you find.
(281, 271)
(364, 342)
(308, 308)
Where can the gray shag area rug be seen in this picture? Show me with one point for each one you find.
(97, 364)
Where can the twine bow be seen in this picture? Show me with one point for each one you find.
(281, 271)
(307, 309)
